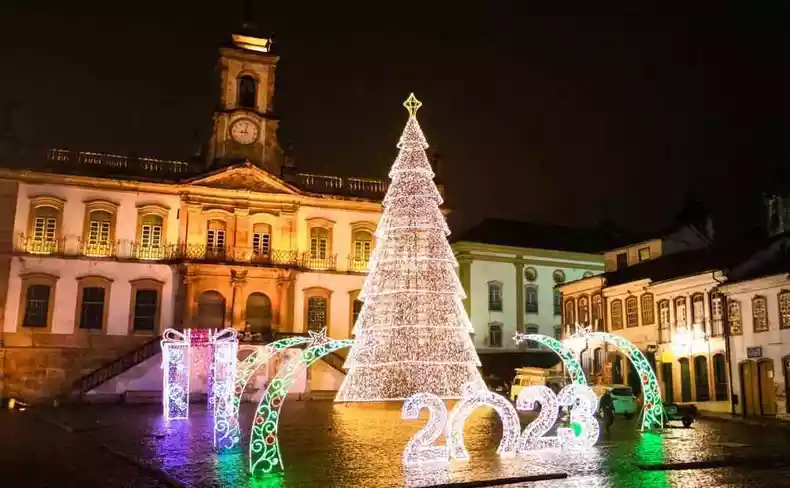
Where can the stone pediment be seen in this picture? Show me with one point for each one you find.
(245, 177)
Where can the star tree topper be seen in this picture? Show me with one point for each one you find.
(318, 338)
(412, 105)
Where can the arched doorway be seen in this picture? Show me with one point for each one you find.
(765, 373)
(720, 377)
(701, 378)
(685, 380)
(750, 391)
(211, 310)
(258, 313)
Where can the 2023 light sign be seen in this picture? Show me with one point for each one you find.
(582, 434)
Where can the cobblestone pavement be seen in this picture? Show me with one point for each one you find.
(327, 445)
(34, 454)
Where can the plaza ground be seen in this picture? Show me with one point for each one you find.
(328, 445)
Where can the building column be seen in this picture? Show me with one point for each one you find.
(465, 275)
(519, 296)
(238, 280)
(194, 226)
(242, 248)
(284, 307)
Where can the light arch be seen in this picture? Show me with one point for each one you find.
(566, 354)
(653, 408)
(265, 454)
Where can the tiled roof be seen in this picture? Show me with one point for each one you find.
(545, 236)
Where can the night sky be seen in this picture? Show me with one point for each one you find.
(558, 115)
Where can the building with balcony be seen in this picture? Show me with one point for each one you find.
(102, 252)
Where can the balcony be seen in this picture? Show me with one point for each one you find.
(130, 250)
(358, 264)
(348, 186)
(77, 162)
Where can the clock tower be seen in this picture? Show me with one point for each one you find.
(244, 126)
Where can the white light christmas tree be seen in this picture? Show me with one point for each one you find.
(412, 334)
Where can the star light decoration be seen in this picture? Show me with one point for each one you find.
(413, 333)
(317, 338)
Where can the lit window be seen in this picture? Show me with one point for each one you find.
(319, 243)
(784, 309)
(597, 310)
(45, 226)
(316, 313)
(215, 236)
(734, 317)
(495, 297)
(759, 314)
(99, 233)
(648, 312)
(631, 312)
(617, 314)
(363, 245)
(570, 313)
(663, 320)
(584, 310)
(680, 312)
(261, 240)
(151, 237)
(698, 309)
(644, 254)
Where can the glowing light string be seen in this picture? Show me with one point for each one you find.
(259, 356)
(565, 353)
(224, 345)
(265, 455)
(653, 409)
(583, 403)
(420, 449)
(474, 397)
(533, 437)
(175, 374)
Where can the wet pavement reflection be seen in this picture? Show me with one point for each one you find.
(328, 445)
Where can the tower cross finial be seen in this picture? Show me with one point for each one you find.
(412, 105)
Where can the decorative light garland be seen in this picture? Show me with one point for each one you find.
(653, 410)
(259, 356)
(420, 449)
(265, 455)
(175, 374)
(413, 333)
(533, 437)
(473, 398)
(583, 403)
(224, 345)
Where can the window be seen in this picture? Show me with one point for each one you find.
(720, 377)
(363, 245)
(759, 314)
(150, 237)
(248, 90)
(495, 335)
(663, 321)
(357, 309)
(37, 306)
(215, 237)
(685, 380)
(698, 309)
(784, 308)
(680, 312)
(622, 260)
(584, 309)
(211, 310)
(558, 276)
(557, 302)
(317, 309)
(631, 312)
(570, 314)
(597, 311)
(530, 273)
(531, 298)
(93, 297)
(717, 315)
(617, 314)
(701, 378)
(644, 254)
(98, 239)
(734, 317)
(45, 227)
(495, 296)
(558, 332)
(146, 302)
(598, 360)
(262, 240)
(319, 243)
(648, 310)
(532, 329)
(258, 313)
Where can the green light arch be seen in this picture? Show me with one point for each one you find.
(653, 409)
(572, 366)
(265, 454)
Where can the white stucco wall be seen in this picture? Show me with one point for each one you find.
(341, 229)
(484, 271)
(65, 305)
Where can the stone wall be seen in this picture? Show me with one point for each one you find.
(37, 367)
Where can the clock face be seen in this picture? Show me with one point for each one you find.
(244, 131)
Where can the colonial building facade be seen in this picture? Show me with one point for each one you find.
(101, 253)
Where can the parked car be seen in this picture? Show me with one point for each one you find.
(527, 377)
(623, 398)
(684, 413)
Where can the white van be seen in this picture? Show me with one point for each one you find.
(623, 398)
(527, 377)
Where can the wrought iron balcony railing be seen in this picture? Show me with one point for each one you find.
(319, 262)
(358, 264)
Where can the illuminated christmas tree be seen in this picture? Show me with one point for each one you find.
(412, 334)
